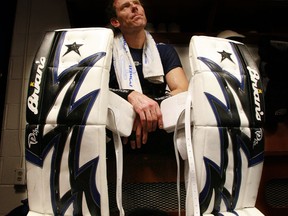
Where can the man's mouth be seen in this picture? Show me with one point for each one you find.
(136, 16)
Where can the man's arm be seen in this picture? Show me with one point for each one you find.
(148, 110)
(177, 81)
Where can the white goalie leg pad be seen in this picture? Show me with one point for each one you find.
(67, 108)
(227, 138)
(72, 169)
(71, 68)
(121, 115)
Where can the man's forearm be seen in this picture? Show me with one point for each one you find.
(122, 92)
(125, 92)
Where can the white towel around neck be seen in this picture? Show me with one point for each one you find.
(125, 69)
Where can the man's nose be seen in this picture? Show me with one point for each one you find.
(133, 5)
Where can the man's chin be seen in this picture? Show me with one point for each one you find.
(140, 24)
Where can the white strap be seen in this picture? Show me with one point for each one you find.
(119, 164)
(192, 190)
(178, 161)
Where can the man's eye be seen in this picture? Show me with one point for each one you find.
(124, 6)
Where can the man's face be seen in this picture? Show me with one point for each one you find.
(130, 15)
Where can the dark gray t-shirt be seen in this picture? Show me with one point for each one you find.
(169, 59)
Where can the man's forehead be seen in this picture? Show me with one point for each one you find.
(120, 2)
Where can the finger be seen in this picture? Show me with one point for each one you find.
(149, 120)
(144, 137)
(160, 123)
(138, 136)
(155, 120)
(159, 117)
(132, 138)
(143, 119)
(133, 144)
(135, 123)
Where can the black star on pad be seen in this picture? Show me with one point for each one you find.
(73, 47)
(225, 55)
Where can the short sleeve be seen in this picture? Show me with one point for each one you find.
(169, 57)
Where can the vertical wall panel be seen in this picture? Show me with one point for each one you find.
(33, 18)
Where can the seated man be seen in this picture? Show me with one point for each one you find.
(142, 69)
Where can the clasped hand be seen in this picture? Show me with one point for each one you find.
(148, 118)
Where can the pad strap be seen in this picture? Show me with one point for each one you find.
(178, 161)
(192, 178)
(119, 164)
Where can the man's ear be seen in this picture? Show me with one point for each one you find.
(114, 22)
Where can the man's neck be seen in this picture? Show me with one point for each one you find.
(135, 40)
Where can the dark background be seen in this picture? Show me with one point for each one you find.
(208, 16)
(7, 17)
